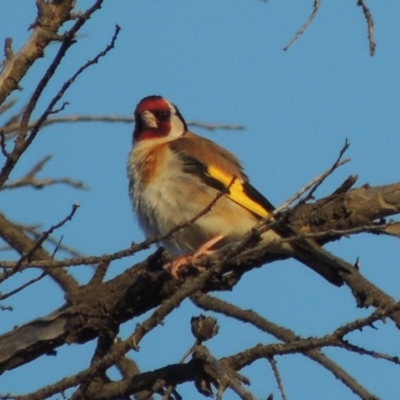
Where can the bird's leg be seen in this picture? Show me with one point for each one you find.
(174, 266)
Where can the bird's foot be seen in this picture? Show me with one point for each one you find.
(174, 266)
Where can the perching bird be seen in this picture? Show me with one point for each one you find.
(175, 174)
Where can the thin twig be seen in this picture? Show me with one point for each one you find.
(38, 244)
(214, 127)
(311, 184)
(70, 81)
(209, 303)
(57, 247)
(339, 162)
(316, 6)
(277, 375)
(171, 388)
(33, 231)
(8, 129)
(57, 110)
(269, 222)
(370, 26)
(32, 281)
(338, 232)
(7, 105)
(41, 183)
(22, 142)
(47, 233)
(30, 179)
(3, 145)
(371, 353)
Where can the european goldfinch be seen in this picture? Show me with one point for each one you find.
(175, 174)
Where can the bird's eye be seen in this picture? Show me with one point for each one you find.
(163, 115)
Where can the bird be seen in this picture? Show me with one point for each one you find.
(174, 174)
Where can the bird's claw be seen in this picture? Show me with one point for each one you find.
(174, 266)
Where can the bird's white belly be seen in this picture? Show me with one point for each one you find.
(169, 202)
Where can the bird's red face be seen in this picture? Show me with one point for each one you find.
(156, 117)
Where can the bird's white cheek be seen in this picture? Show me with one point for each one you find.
(177, 128)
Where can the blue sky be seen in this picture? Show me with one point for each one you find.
(222, 62)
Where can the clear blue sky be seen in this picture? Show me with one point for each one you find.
(222, 62)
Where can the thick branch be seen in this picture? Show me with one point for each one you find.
(145, 285)
(51, 16)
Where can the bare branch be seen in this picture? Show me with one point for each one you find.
(210, 303)
(214, 127)
(7, 105)
(12, 128)
(45, 235)
(22, 142)
(67, 84)
(316, 6)
(25, 285)
(339, 162)
(50, 18)
(30, 179)
(23, 244)
(360, 350)
(313, 185)
(36, 234)
(370, 26)
(3, 145)
(277, 375)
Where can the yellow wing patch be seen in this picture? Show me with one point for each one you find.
(237, 192)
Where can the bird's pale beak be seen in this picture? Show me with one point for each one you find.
(148, 120)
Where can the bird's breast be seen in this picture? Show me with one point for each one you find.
(164, 195)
